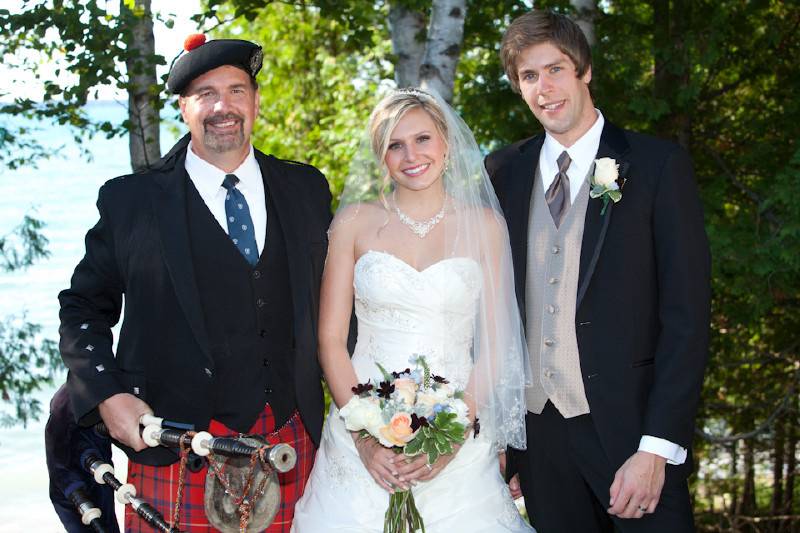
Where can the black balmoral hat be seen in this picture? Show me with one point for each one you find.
(201, 56)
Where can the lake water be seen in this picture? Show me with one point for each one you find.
(63, 190)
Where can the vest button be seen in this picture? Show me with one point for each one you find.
(556, 249)
(261, 302)
(551, 309)
(266, 362)
(547, 373)
(549, 342)
(256, 274)
(263, 333)
(267, 391)
(552, 281)
(209, 373)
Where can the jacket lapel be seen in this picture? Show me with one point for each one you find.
(169, 206)
(614, 145)
(284, 200)
(519, 195)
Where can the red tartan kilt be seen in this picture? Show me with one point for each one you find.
(158, 485)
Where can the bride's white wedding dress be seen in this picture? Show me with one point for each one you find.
(401, 312)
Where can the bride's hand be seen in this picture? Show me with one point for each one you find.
(431, 471)
(381, 463)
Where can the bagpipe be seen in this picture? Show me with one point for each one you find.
(242, 493)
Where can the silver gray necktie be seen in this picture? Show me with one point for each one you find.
(557, 195)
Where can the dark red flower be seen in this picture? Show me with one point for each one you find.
(193, 41)
(385, 389)
(362, 388)
(439, 379)
(476, 428)
(418, 421)
(396, 375)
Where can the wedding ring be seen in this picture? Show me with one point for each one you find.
(643, 509)
(430, 468)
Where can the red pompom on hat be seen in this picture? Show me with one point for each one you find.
(193, 41)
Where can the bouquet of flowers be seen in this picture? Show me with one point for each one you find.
(412, 412)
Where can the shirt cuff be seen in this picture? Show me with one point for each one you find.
(673, 453)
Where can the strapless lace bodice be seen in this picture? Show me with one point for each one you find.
(402, 311)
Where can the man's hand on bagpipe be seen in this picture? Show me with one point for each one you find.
(121, 414)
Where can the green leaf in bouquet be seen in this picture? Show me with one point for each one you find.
(440, 436)
(414, 447)
(443, 447)
(386, 375)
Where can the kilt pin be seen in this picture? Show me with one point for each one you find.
(159, 484)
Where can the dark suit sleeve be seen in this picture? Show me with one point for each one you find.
(90, 307)
(683, 263)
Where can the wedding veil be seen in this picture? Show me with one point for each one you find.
(474, 227)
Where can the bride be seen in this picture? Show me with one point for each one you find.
(419, 244)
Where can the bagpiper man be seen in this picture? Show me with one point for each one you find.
(218, 251)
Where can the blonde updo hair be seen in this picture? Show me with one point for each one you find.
(390, 111)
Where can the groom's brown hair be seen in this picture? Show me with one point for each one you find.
(538, 27)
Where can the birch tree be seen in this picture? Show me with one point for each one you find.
(430, 63)
(585, 11)
(143, 89)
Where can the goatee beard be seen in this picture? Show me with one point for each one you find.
(221, 143)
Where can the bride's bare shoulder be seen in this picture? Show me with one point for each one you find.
(353, 219)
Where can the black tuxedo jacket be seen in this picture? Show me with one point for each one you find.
(643, 298)
(140, 249)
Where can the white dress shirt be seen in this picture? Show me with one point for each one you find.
(208, 179)
(583, 153)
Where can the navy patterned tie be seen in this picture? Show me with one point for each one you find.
(240, 225)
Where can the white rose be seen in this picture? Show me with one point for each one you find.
(362, 413)
(606, 172)
(461, 410)
(427, 400)
(444, 392)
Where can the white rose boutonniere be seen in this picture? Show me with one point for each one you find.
(606, 182)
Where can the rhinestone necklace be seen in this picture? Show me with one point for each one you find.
(420, 229)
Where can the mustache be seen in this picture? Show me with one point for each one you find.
(222, 117)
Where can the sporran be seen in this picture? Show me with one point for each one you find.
(226, 482)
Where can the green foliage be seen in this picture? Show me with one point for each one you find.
(24, 246)
(316, 90)
(26, 364)
(87, 47)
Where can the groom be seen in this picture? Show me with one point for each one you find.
(615, 298)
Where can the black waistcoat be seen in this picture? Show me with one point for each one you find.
(248, 312)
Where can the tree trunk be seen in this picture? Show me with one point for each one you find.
(143, 100)
(584, 17)
(778, 456)
(747, 505)
(407, 29)
(792, 435)
(443, 47)
(734, 473)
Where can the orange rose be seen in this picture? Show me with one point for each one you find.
(398, 432)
